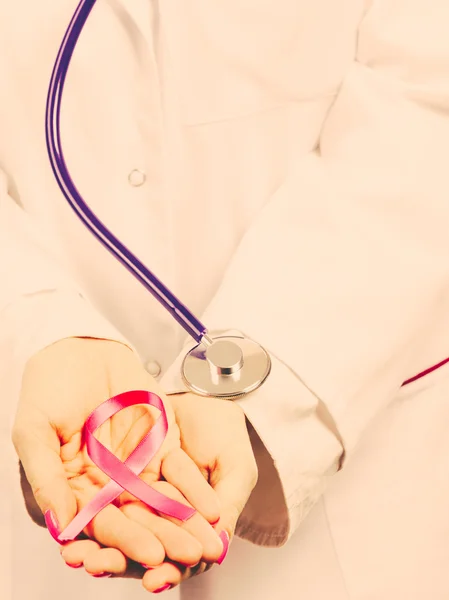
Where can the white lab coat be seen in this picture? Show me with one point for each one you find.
(282, 166)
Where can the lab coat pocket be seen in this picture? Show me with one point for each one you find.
(231, 58)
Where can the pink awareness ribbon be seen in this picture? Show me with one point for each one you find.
(125, 475)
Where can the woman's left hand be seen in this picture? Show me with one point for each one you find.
(62, 385)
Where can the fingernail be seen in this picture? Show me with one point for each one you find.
(215, 522)
(52, 526)
(101, 575)
(74, 566)
(164, 588)
(224, 537)
(146, 566)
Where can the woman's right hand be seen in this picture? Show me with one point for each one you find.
(61, 386)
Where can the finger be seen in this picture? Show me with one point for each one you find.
(197, 525)
(102, 561)
(38, 448)
(180, 470)
(233, 490)
(74, 553)
(180, 546)
(113, 529)
(171, 575)
(162, 578)
(95, 559)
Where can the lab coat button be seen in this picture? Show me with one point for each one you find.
(153, 368)
(137, 178)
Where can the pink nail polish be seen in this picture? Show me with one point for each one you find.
(215, 522)
(224, 537)
(101, 575)
(147, 566)
(77, 566)
(164, 588)
(52, 526)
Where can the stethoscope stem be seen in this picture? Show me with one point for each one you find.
(169, 301)
(206, 340)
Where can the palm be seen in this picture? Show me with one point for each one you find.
(66, 383)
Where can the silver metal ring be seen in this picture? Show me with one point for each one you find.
(225, 367)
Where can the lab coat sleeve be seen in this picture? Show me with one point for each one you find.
(39, 304)
(343, 278)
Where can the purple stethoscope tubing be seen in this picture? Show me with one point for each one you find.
(179, 311)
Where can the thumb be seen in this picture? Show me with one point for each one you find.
(233, 491)
(233, 487)
(38, 449)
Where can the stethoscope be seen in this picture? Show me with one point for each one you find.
(226, 366)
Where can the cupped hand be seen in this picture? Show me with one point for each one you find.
(214, 435)
(61, 386)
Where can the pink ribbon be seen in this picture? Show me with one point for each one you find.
(125, 475)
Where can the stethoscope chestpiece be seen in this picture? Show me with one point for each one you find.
(225, 367)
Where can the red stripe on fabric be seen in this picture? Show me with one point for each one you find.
(426, 372)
